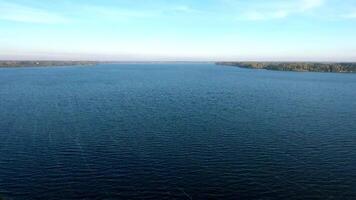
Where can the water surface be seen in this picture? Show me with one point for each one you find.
(176, 131)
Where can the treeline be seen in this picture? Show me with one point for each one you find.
(296, 66)
(44, 63)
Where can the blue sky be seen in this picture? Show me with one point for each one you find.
(286, 30)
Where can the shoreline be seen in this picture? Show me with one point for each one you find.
(295, 66)
(24, 63)
(54, 63)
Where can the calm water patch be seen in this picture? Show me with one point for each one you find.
(176, 131)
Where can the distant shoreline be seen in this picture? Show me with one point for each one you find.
(54, 63)
(13, 64)
(296, 66)
(277, 66)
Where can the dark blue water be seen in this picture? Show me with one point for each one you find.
(176, 131)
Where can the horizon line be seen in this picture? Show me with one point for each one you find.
(169, 61)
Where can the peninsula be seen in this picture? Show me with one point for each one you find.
(296, 66)
(12, 63)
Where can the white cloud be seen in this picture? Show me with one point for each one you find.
(20, 13)
(126, 14)
(280, 10)
(185, 9)
(116, 14)
(311, 4)
(349, 16)
(256, 16)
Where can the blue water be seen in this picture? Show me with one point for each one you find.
(176, 131)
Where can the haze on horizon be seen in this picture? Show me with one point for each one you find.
(274, 30)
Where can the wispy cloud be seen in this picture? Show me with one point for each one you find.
(184, 9)
(127, 13)
(349, 16)
(311, 4)
(255, 15)
(21, 13)
(117, 14)
(280, 10)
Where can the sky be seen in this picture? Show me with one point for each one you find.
(196, 30)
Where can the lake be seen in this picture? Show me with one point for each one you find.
(176, 131)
